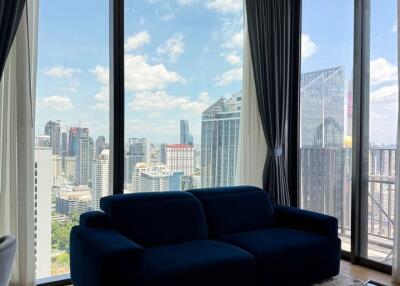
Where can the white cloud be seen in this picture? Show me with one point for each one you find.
(235, 41)
(229, 77)
(73, 86)
(308, 47)
(387, 94)
(136, 41)
(394, 27)
(161, 100)
(60, 72)
(232, 58)
(142, 76)
(154, 115)
(102, 96)
(225, 6)
(58, 103)
(172, 48)
(381, 70)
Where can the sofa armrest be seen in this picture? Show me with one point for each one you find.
(103, 257)
(306, 220)
(94, 219)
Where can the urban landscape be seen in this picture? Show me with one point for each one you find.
(72, 168)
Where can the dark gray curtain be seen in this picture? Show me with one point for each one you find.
(274, 32)
(10, 15)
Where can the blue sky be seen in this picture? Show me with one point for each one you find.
(182, 55)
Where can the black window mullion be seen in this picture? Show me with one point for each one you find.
(117, 96)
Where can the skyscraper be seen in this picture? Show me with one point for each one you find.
(100, 144)
(53, 129)
(100, 177)
(185, 136)
(74, 134)
(219, 141)
(138, 152)
(81, 146)
(178, 158)
(322, 136)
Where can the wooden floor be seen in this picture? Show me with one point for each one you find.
(365, 274)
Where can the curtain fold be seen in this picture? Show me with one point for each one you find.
(10, 15)
(396, 240)
(252, 148)
(274, 32)
(17, 98)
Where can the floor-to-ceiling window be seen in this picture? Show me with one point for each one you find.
(183, 80)
(326, 110)
(383, 98)
(72, 125)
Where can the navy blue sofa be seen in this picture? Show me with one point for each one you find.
(223, 236)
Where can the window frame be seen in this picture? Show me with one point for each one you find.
(360, 129)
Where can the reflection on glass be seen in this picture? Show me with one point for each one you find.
(326, 111)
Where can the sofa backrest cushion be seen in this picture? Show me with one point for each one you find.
(154, 219)
(235, 209)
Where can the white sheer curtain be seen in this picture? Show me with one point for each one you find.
(252, 148)
(17, 98)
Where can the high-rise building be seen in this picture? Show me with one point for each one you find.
(322, 108)
(53, 129)
(57, 170)
(81, 146)
(74, 134)
(70, 168)
(138, 152)
(100, 144)
(43, 186)
(137, 170)
(100, 177)
(219, 141)
(176, 181)
(185, 136)
(178, 158)
(350, 109)
(322, 140)
(77, 199)
(155, 180)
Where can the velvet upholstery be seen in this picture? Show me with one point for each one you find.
(306, 220)
(202, 262)
(94, 219)
(235, 209)
(103, 257)
(225, 236)
(289, 256)
(156, 218)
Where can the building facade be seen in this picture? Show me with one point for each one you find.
(178, 158)
(323, 156)
(100, 178)
(219, 141)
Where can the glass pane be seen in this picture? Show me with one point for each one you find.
(183, 80)
(382, 130)
(326, 110)
(72, 127)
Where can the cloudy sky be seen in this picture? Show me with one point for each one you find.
(182, 55)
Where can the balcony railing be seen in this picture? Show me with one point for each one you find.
(381, 195)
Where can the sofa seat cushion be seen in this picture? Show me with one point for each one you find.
(288, 256)
(201, 262)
